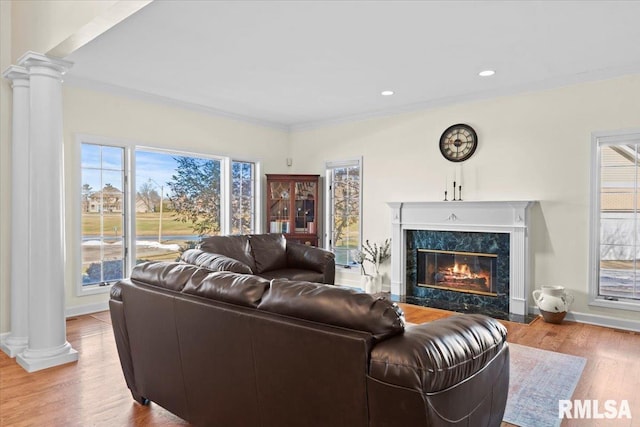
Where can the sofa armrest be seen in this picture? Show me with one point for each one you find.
(312, 258)
(437, 355)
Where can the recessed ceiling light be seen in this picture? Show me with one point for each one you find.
(386, 93)
(486, 73)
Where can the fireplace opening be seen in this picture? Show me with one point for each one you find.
(468, 272)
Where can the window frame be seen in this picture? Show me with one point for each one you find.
(599, 139)
(82, 290)
(255, 190)
(328, 223)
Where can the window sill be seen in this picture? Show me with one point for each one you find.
(347, 270)
(622, 304)
(93, 290)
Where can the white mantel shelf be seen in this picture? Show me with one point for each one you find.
(511, 217)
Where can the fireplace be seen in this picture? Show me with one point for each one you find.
(491, 238)
(468, 272)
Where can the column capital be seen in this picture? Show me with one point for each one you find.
(33, 59)
(16, 73)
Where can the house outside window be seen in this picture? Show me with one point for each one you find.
(344, 213)
(615, 220)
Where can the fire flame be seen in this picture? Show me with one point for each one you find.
(462, 270)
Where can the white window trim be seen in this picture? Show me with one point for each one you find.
(599, 139)
(328, 227)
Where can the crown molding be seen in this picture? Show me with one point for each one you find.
(112, 89)
(543, 85)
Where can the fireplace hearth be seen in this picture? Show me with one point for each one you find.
(459, 269)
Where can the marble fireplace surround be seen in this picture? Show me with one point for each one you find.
(512, 217)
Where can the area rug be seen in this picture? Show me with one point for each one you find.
(538, 380)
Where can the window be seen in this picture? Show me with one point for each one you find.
(615, 251)
(175, 199)
(243, 191)
(344, 184)
(103, 201)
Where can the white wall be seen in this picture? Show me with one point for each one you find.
(153, 125)
(533, 146)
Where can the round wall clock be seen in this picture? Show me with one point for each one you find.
(458, 142)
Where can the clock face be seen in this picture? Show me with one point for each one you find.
(458, 143)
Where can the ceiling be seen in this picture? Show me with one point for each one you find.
(301, 64)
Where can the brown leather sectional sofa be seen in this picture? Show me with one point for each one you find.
(230, 349)
(271, 256)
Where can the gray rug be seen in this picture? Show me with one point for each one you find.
(538, 380)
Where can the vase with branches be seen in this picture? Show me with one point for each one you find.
(376, 255)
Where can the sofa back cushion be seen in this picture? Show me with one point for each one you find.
(234, 288)
(168, 275)
(269, 251)
(334, 305)
(236, 247)
(214, 262)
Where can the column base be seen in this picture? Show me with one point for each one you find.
(36, 360)
(12, 346)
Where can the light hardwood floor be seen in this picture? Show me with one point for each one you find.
(92, 392)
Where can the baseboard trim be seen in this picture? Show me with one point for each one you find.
(79, 310)
(599, 320)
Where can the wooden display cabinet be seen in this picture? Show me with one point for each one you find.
(292, 207)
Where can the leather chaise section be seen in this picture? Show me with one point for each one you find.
(436, 355)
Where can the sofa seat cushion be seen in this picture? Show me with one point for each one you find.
(296, 274)
(434, 356)
(334, 305)
(269, 251)
(236, 247)
(214, 262)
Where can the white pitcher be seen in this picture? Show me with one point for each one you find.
(553, 302)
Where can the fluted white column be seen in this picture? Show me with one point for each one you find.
(48, 345)
(18, 338)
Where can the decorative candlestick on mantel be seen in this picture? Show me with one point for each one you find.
(445, 196)
(454, 191)
(460, 193)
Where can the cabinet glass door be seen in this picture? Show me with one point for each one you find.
(305, 207)
(279, 205)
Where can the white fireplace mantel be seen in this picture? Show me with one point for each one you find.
(511, 217)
